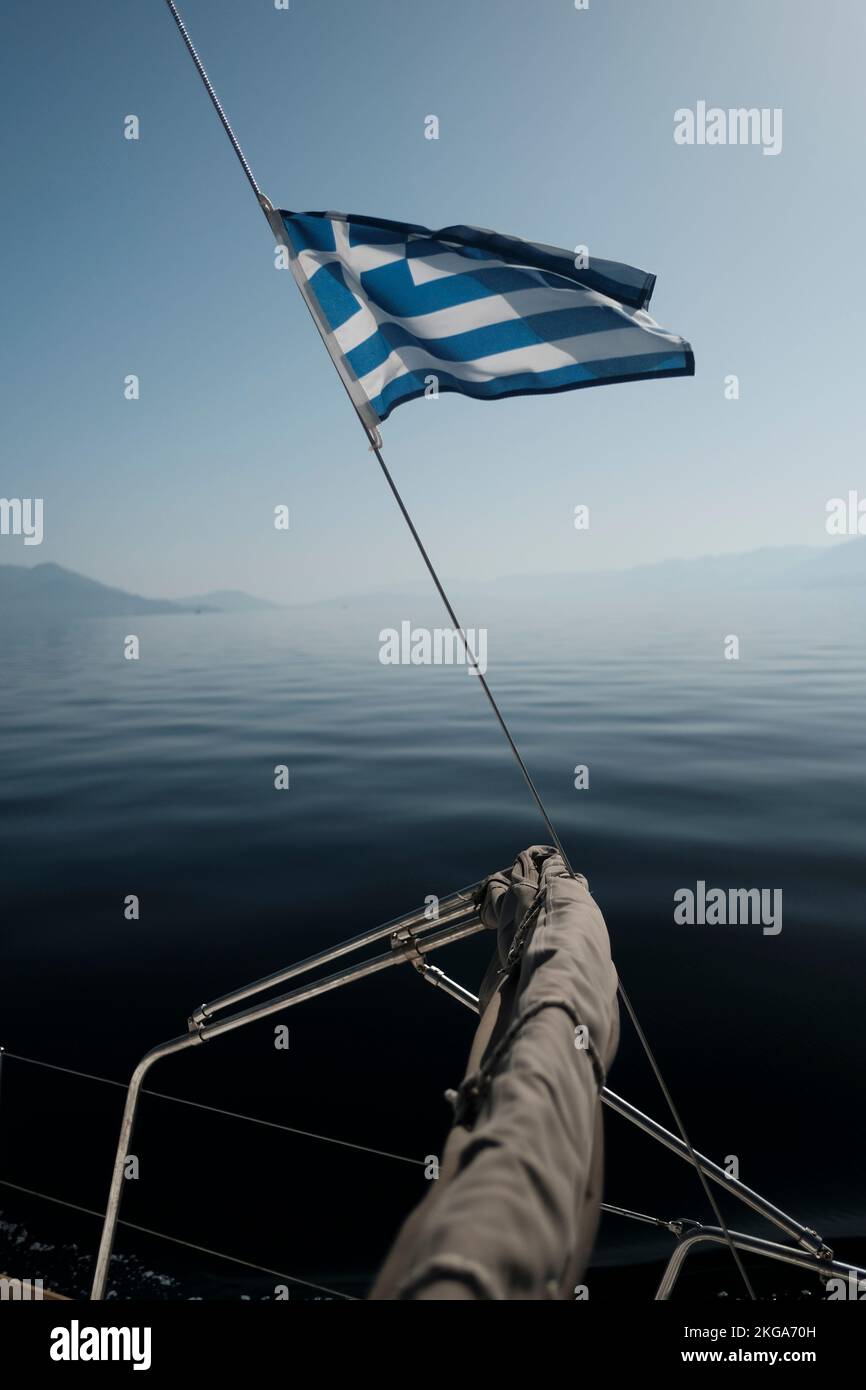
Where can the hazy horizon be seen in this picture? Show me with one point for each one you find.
(421, 583)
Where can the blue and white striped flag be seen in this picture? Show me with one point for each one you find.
(482, 314)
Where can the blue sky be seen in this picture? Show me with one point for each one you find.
(151, 257)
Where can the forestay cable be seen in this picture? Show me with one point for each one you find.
(375, 444)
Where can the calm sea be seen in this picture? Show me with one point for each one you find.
(156, 778)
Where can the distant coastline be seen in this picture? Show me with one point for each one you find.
(51, 588)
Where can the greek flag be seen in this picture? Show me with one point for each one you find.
(407, 312)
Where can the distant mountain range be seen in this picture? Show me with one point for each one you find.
(842, 565)
(793, 566)
(49, 588)
(771, 567)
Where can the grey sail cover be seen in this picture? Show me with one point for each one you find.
(514, 1212)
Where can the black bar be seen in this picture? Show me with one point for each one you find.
(237, 1339)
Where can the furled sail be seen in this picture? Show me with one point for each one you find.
(514, 1211)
